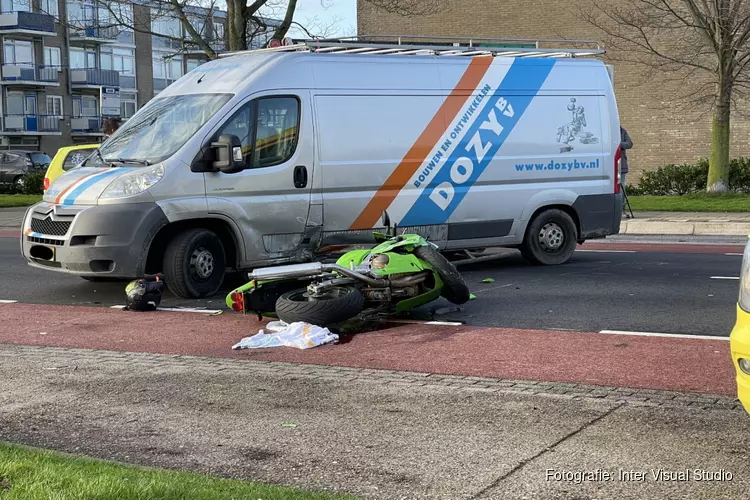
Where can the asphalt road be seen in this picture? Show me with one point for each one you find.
(666, 292)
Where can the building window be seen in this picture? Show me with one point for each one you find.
(49, 7)
(81, 13)
(82, 58)
(85, 106)
(52, 56)
(128, 104)
(16, 6)
(119, 59)
(167, 25)
(55, 106)
(15, 103)
(218, 31)
(167, 66)
(18, 52)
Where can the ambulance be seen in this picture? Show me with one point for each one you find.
(263, 157)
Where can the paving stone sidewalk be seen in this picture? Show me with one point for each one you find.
(374, 433)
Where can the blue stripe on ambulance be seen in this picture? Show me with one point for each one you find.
(70, 199)
(446, 191)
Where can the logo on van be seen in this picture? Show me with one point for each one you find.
(575, 129)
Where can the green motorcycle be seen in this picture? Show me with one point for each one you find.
(401, 273)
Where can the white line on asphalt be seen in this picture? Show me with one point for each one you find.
(422, 322)
(8, 301)
(180, 309)
(672, 335)
(725, 277)
(608, 251)
(734, 254)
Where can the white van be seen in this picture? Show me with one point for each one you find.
(262, 157)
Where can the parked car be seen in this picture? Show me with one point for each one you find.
(65, 159)
(262, 158)
(14, 164)
(739, 339)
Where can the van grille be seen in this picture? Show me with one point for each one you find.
(50, 227)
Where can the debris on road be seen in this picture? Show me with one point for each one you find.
(300, 335)
(488, 280)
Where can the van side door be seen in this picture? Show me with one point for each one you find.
(269, 200)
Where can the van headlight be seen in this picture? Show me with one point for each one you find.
(744, 300)
(135, 182)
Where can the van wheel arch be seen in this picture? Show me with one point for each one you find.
(222, 228)
(564, 230)
(565, 208)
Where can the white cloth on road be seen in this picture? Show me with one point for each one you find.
(300, 335)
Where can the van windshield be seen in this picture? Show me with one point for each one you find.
(161, 128)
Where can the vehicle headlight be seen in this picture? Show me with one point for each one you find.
(745, 280)
(134, 182)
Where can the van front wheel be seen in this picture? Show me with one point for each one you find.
(194, 264)
(550, 238)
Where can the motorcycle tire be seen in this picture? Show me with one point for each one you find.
(455, 289)
(340, 305)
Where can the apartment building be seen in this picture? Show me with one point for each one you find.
(67, 64)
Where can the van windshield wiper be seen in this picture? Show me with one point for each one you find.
(132, 161)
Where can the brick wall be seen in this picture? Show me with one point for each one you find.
(661, 129)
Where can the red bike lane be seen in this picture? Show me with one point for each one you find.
(663, 363)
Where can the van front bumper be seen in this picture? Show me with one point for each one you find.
(739, 345)
(100, 240)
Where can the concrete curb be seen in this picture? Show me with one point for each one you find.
(685, 227)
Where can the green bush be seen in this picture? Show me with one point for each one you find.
(33, 182)
(739, 175)
(689, 178)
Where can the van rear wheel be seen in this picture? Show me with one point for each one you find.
(550, 238)
(194, 264)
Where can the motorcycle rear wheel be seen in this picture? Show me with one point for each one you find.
(339, 304)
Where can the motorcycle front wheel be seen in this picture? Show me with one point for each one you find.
(338, 304)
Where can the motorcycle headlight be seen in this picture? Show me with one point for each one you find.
(744, 299)
(135, 182)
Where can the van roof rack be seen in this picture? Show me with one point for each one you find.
(437, 46)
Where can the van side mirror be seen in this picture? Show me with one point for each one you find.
(228, 154)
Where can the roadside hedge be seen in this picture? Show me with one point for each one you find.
(33, 183)
(689, 178)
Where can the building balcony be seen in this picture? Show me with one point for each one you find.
(30, 75)
(87, 35)
(94, 78)
(86, 126)
(31, 125)
(27, 23)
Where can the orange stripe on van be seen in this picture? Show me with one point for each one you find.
(425, 143)
(76, 183)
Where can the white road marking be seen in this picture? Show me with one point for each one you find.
(180, 309)
(725, 277)
(8, 301)
(734, 254)
(608, 251)
(670, 335)
(422, 322)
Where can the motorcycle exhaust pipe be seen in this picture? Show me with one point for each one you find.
(310, 269)
(290, 271)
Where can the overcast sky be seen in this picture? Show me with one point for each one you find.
(317, 14)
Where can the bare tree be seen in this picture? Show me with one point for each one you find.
(704, 44)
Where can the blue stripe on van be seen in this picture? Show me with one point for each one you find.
(527, 74)
(70, 199)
